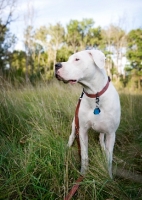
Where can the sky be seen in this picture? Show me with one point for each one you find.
(125, 13)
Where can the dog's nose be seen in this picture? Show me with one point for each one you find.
(58, 66)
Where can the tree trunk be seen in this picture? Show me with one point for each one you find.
(139, 83)
(27, 73)
(55, 55)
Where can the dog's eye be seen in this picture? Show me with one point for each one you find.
(77, 59)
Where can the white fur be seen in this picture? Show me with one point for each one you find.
(89, 71)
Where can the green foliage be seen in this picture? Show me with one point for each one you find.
(84, 26)
(41, 35)
(94, 37)
(6, 42)
(47, 45)
(114, 71)
(35, 163)
(134, 52)
(56, 34)
(2, 38)
(18, 63)
(114, 36)
(134, 70)
(81, 34)
(63, 54)
(73, 36)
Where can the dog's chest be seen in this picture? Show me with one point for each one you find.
(106, 121)
(87, 115)
(87, 119)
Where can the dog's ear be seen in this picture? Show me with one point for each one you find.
(98, 57)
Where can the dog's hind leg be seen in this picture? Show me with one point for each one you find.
(109, 143)
(72, 135)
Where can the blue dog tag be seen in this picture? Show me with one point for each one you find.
(97, 111)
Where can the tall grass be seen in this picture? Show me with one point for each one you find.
(35, 162)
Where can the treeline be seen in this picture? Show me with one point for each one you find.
(45, 46)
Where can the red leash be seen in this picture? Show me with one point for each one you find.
(75, 187)
(77, 124)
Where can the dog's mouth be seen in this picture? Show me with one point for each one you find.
(72, 81)
(58, 77)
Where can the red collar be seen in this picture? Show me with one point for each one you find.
(98, 94)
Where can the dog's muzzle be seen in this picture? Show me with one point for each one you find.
(59, 77)
(57, 67)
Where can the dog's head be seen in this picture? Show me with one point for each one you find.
(80, 66)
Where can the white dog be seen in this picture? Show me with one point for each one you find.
(101, 113)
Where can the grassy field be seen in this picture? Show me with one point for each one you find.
(35, 163)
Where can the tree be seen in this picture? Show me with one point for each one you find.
(40, 63)
(28, 38)
(134, 53)
(17, 65)
(134, 50)
(2, 54)
(63, 54)
(93, 38)
(6, 38)
(78, 33)
(55, 35)
(52, 39)
(83, 28)
(115, 42)
(73, 36)
(40, 36)
(29, 49)
(41, 45)
(6, 17)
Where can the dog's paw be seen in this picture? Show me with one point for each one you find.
(69, 145)
(83, 171)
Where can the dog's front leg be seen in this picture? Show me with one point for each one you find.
(72, 135)
(110, 140)
(83, 136)
(102, 141)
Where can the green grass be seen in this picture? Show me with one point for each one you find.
(35, 163)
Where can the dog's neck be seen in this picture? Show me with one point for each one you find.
(96, 83)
